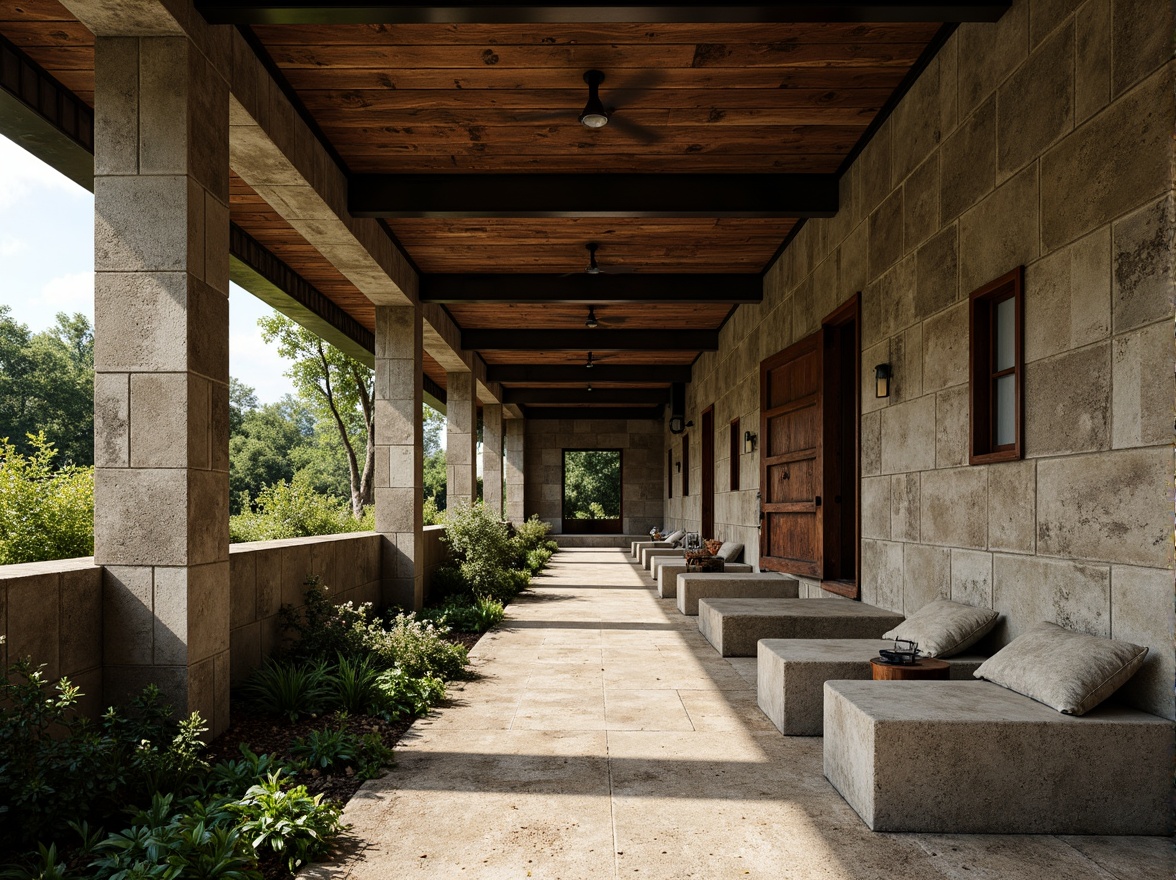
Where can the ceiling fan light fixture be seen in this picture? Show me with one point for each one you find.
(589, 364)
(594, 115)
(591, 323)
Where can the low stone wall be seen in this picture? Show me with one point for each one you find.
(52, 612)
(264, 575)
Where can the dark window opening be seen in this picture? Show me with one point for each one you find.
(685, 465)
(735, 447)
(669, 473)
(996, 374)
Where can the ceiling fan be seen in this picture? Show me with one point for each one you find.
(593, 322)
(596, 116)
(594, 268)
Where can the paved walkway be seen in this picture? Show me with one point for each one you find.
(605, 738)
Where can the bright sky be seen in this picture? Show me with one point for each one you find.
(47, 265)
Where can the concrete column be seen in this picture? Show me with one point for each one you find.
(399, 484)
(461, 441)
(492, 458)
(161, 357)
(515, 448)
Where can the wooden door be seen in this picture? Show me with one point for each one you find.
(791, 459)
(708, 472)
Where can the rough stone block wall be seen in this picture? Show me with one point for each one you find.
(642, 464)
(1043, 140)
(52, 612)
(264, 575)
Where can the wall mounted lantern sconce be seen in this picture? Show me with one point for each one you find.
(749, 441)
(882, 380)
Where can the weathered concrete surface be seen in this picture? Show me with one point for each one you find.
(666, 570)
(693, 586)
(791, 676)
(648, 554)
(605, 739)
(734, 626)
(974, 757)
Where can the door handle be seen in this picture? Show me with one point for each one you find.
(817, 501)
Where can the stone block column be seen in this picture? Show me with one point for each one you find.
(399, 484)
(515, 448)
(461, 440)
(161, 357)
(492, 458)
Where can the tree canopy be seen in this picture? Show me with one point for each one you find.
(592, 484)
(47, 386)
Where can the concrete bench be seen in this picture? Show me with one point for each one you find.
(638, 546)
(734, 626)
(976, 758)
(693, 586)
(791, 676)
(649, 553)
(666, 570)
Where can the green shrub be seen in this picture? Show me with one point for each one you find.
(290, 689)
(288, 822)
(321, 630)
(44, 514)
(537, 559)
(374, 756)
(294, 509)
(400, 695)
(433, 515)
(234, 778)
(417, 648)
(167, 842)
(355, 684)
(531, 534)
(448, 581)
(329, 749)
(466, 614)
(482, 547)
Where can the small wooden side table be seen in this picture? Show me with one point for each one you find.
(924, 669)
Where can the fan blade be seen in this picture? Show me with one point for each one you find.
(635, 131)
(618, 270)
(640, 85)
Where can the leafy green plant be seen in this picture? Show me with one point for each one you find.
(401, 695)
(45, 866)
(466, 614)
(537, 559)
(374, 756)
(290, 689)
(355, 684)
(330, 749)
(288, 822)
(321, 630)
(170, 843)
(44, 513)
(233, 778)
(482, 547)
(433, 515)
(418, 648)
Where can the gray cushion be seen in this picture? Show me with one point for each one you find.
(730, 551)
(943, 628)
(1069, 671)
(675, 537)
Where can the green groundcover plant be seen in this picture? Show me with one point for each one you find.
(44, 513)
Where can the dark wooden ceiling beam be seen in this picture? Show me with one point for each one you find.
(590, 340)
(440, 196)
(579, 374)
(374, 12)
(581, 395)
(592, 289)
(594, 412)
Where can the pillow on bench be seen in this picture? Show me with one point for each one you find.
(1068, 671)
(943, 628)
(675, 537)
(730, 551)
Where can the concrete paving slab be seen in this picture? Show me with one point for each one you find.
(726, 796)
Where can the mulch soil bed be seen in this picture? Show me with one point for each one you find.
(264, 734)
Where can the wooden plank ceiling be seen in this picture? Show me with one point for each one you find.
(478, 99)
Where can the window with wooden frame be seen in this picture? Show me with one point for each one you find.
(996, 376)
(685, 465)
(669, 473)
(735, 447)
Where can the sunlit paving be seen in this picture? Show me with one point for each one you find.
(604, 737)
